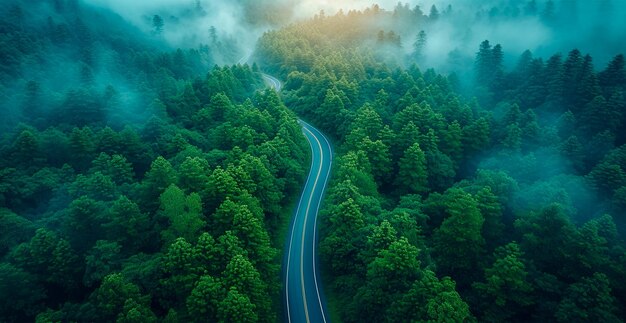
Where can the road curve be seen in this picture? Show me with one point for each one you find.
(304, 301)
(303, 294)
(273, 82)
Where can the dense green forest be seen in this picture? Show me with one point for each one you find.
(136, 184)
(503, 206)
(140, 182)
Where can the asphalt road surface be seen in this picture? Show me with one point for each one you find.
(304, 301)
(303, 295)
(273, 82)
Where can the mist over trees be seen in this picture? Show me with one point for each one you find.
(137, 184)
(479, 199)
(454, 27)
(479, 170)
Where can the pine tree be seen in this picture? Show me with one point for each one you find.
(451, 142)
(241, 274)
(614, 75)
(492, 211)
(160, 176)
(157, 24)
(26, 149)
(204, 300)
(458, 242)
(412, 174)
(484, 64)
(431, 300)
(506, 287)
(434, 13)
(183, 213)
(127, 224)
(588, 300)
(419, 45)
(193, 174)
(237, 307)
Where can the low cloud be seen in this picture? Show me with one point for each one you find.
(515, 24)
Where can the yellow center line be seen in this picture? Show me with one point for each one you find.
(306, 216)
(295, 223)
(319, 202)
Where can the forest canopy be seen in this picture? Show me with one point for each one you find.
(136, 184)
(491, 198)
(148, 174)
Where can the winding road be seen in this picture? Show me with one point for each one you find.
(303, 295)
(273, 82)
(304, 301)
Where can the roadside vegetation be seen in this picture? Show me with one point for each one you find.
(144, 183)
(157, 201)
(498, 201)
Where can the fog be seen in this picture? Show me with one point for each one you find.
(228, 30)
(188, 24)
(593, 27)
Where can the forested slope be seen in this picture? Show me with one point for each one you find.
(134, 186)
(141, 183)
(499, 200)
